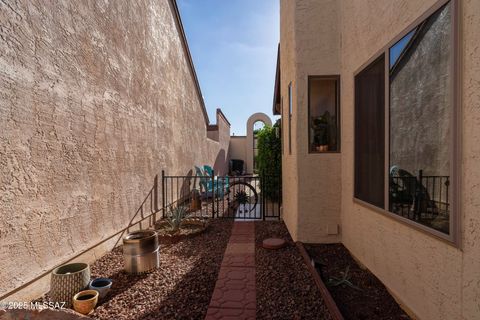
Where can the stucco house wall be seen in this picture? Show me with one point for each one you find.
(96, 98)
(288, 62)
(310, 33)
(238, 148)
(317, 34)
(433, 279)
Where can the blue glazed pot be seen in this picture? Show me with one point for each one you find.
(102, 285)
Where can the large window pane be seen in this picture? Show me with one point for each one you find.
(421, 122)
(370, 134)
(323, 114)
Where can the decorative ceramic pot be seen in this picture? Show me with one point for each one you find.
(67, 280)
(102, 285)
(85, 301)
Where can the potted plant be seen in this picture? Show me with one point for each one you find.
(321, 127)
(85, 301)
(320, 133)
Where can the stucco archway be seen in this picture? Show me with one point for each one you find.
(249, 147)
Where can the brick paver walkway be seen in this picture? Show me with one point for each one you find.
(234, 294)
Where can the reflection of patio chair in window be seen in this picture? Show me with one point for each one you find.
(402, 187)
(209, 187)
(407, 190)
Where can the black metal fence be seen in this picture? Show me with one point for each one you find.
(417, 197)
(239, 197)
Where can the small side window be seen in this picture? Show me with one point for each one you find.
(323, 114)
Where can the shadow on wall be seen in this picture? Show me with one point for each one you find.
(221, 166)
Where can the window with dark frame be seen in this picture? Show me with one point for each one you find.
(370, 134)
(416, 182)
(323, 114)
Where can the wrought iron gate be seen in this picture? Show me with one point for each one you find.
(249, 197)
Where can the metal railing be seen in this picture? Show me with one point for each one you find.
(416, 197)
(240, 197)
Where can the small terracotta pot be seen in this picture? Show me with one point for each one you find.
(323, 147)
(85, 301)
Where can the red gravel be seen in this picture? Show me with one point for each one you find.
(371, 300)
(180, 289)
(285, 288)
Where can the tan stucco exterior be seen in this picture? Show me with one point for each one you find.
(432, 278)
(96, 98)
(310, 45)
(238, 148)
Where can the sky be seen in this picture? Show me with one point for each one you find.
(233, 44)
(398, 47)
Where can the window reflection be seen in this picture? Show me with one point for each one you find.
(420, 122)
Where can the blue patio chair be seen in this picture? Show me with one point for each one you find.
(223, 181)
(207, 186)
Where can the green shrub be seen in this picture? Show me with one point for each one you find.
(269, 161)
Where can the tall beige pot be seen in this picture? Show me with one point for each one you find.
(67, 281)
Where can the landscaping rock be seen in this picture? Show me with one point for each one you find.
(180, 288)
(41, 314)
(285, 288)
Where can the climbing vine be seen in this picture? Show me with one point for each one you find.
(269, 160)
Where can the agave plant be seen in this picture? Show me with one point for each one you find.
(176, 217)
(242, 197)
(344, 280)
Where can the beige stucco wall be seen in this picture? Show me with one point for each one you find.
(218, 144)
(315, 216)
(288, 75)
(238, 145)
(430, 277)
(96, 98)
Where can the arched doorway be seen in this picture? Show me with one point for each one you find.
(257, 126)
(256, 122)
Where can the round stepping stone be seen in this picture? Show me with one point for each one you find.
(273, 243)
